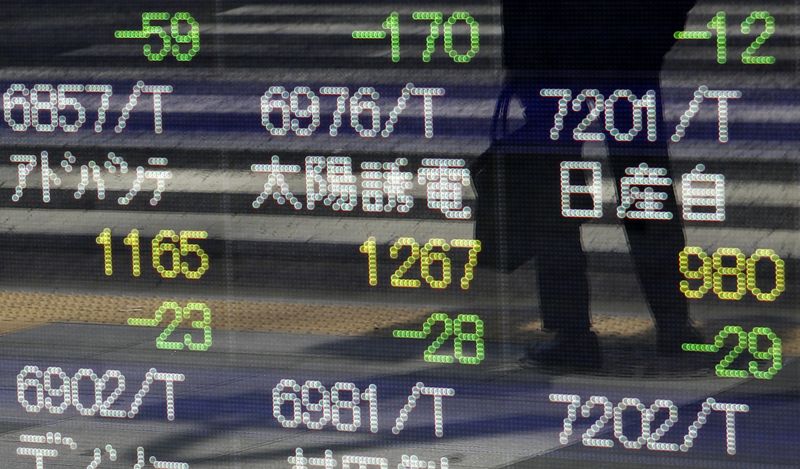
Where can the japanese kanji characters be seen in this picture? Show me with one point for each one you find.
(595, 190)
(706, 191)
(337, 189)
(445, 180)
(638, 191)
(643, 191)
(276, 185)
(385, 185)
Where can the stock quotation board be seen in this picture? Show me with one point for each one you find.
(382, 234)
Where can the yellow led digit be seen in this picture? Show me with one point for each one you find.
(780, 275)
(160, 247)
(104, 239)
(721, 271)
(370, 248)
(474, 247)
(394, 252)
(132, 240)
(704, 272)
(187, 248)
(427, 258)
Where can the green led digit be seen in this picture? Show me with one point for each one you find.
(748, 56)
(772, 353)
(436, 18)
(450, 328)
(148, 30)
(161, 340)
(462, 337)
(192, 37)
(474, 37)
(180, 314)
(202, 324)
(430, 352)
(720, 24)
(722, 367)
(748, 341)
(392, 23)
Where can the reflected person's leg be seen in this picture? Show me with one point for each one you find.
(655, 244)
(560, 261)
(556, 243)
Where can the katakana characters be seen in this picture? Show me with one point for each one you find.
(156, 464)
(56, 440)
(159, 175)
(50, 438)
(91, 173)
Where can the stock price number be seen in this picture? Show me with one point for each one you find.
(731, 264)
(177, 246)
(426, 255)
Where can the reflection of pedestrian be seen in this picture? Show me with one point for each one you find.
(579, 44)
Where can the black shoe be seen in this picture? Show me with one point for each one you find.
(670, 340)
(577, 350)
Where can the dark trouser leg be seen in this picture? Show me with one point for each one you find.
(560, 260)
(655, 244)
(563, 286)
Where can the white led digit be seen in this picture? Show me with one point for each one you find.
(349, 404)
(62, 392)
(321, 407)
(280, 397)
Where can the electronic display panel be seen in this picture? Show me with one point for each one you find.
(415, 235)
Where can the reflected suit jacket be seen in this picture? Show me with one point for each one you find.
(569, 39)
